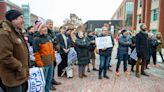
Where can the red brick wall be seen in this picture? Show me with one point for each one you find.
(2, 10)
(148, 13)
(135, 14)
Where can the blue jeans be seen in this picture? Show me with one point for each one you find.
(122, 56)
(110, 55)
(53, 78)
(104, 63)
(48, 73)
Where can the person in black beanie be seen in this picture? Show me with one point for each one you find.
(14, 66)
(12, 14)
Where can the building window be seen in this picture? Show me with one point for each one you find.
(154, 31)
(129, 7)
(140, 3)
(8, 8)
(139, 19)
(155, 14)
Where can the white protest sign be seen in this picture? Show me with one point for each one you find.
(103, 42)
(58, 58)
(72, 56)
(36, 82)
(133, 55)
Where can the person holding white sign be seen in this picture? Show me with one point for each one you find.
(104, 56)
(124, 42)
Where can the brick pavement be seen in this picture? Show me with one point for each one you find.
(154, 83)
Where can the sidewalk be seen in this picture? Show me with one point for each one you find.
(130, 83)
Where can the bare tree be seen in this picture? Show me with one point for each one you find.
(73, 20)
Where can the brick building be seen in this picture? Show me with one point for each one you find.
(125, 13)
(29, 18)
(6, 5)
(150, 12)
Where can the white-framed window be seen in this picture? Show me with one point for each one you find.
(155, 14)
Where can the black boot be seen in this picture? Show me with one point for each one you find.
(106, 77)
(55, 82)
(132, 69)
(145, 74)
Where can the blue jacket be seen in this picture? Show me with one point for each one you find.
(124, 43)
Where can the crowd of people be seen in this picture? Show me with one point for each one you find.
(36, 47)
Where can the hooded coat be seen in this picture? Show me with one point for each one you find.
(82, 48)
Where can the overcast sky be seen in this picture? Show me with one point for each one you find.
(58, 10)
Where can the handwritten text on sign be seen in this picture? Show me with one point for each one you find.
(133, 55)
(36, 82)
(104, 42)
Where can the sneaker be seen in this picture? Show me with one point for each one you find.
(145, 74)
(117, 74)
(132, 70)
(106, 77)
(127, 73)
(156, 65)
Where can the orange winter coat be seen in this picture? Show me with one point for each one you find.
(43, 50)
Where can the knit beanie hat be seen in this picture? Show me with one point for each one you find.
(123, 31)
(12, 14)
(39, 25)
